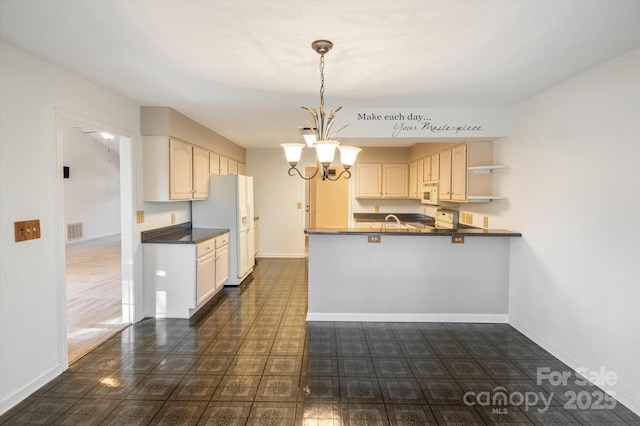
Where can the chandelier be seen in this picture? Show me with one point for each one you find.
(318, 134)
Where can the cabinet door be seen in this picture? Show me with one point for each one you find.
(445, 175)
(369, 180)
(200, 172)
(224, 165)
(396, 181)
(413, 179)
(206, 277)
(459, 173)
(214, 163)
(222, 267)
(435, 167)
(180, 170)
(233, 167)
(420, 177)
(426, 169)
(242, 169)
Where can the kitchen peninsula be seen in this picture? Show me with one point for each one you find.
(415, 274)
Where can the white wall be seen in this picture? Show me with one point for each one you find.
(573, 190)
(32, 92)
(276, 196)
(92, 192)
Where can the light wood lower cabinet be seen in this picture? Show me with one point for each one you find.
(181, 278)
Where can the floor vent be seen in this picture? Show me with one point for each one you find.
(74, 231)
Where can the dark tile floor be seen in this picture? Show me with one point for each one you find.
(253, 360)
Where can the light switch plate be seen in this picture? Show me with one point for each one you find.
(140, 216)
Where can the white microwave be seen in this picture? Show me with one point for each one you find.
(429, 192)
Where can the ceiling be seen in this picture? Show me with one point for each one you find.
(244, 68)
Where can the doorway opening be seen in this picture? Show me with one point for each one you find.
(327, 203)
(97, 233)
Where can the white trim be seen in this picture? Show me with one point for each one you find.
(476, 318)
(127, 199)
(22, 393)
(282, 255)
(85, 240)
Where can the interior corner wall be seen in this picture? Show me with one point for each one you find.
(31, 92)
(276, 196)
(573, 193)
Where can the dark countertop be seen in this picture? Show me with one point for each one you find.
(403, 217)
(180, 234)
(462, 231)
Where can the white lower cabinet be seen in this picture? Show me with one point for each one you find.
(184, 277)
(222, 261)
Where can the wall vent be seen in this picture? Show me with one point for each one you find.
(74, 231)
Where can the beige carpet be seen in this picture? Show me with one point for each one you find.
(94, 294)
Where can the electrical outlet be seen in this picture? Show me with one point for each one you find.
(376, 209)
(469, 219)
(457, 239)
(373, 238)
(140, 216)
(173, 218)
(485, 222)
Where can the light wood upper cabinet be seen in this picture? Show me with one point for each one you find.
(224, 165)
(395, 183)
(214, 163)
(200, 173)
(242, 169)
(382, 180)
(174, 170)
(453, 174)
(180, 170)
(445, 175)
(413, 179)
(431, 168)
(232, 167)
(459, 173)
(465, 173)
(368, 180)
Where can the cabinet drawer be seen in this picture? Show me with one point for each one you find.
(205, 247)
(222, 240)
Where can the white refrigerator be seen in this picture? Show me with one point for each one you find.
(230, 205)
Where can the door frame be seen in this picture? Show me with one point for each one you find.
(127, 214)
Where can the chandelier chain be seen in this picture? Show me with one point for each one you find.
(322, 79)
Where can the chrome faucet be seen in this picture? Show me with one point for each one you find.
(394, 217)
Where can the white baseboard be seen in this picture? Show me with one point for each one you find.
(477, 318)
(21, 394)
(621, 394)
(281, 255)
(84, 240)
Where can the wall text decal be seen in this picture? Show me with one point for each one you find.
(418, 124)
